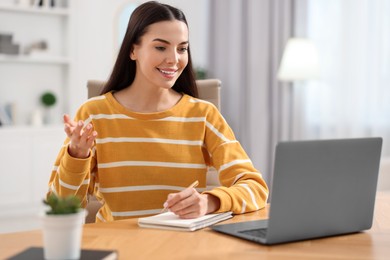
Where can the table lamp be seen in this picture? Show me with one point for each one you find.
(299, 63)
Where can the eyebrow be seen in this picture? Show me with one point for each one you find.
(167, 42)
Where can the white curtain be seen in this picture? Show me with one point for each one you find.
(246, 43)
(352, 97)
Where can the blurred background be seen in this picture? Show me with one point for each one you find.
(290, 70)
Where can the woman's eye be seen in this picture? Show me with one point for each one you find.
(183, 49)
(160, 48)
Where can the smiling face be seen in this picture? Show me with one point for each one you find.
(161, 55)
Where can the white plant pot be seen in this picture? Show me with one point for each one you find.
(62, 235)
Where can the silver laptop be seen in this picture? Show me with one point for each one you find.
(320, 188)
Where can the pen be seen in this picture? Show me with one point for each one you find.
(193, 185)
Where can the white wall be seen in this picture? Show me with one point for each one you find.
(95, 46)
(384, 174)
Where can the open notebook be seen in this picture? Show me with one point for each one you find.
(169, 220)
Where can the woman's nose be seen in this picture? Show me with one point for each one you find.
(172, 57)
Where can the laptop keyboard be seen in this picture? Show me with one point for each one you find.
(260, 232)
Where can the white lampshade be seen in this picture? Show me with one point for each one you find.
(299, 61)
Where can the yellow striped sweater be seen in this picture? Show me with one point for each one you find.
(139, 158)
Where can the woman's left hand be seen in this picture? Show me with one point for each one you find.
(189, 203)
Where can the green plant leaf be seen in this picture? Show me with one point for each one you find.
(62, 205)
(48, 99)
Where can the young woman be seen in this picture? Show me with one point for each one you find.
(147, 137)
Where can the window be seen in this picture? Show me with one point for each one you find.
(352, 97)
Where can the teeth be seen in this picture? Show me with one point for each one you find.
(168, 72)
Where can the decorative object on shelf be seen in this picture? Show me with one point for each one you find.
(7, 46)
(38, 46)
(45, 3)
(200, 73)
(62, 227)
(8, 113)
(4, 116)
(48, 100)
(24, 3)
(36, 117)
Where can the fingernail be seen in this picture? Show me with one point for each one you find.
(80, 123)
(165, 204)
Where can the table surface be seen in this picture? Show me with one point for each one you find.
(133, 242)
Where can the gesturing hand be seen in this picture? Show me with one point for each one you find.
(81, 138)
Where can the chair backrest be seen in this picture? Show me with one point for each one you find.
(209, 89)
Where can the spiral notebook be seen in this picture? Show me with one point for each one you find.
(169, 220)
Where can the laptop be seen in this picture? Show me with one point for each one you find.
(320, 188)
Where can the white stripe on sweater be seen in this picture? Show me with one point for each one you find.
(246, 186)
(182, 119)
(53, 188)
(155, 164)
(141, 188)
(199, 101)
(99, 216)
(122, 116)
(110, 116)
(73, 187)
(238, 176)
(215, 131)
(232, 163)
(243, 206)
(147, 140)
(95, 98)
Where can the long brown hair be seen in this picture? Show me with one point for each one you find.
(123, 73)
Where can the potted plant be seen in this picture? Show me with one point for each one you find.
(48, 100)
(62, 227)
(200, 73)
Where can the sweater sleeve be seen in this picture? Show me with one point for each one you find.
(243, 187)
(73, 176)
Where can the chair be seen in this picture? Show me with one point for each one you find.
(209, 90)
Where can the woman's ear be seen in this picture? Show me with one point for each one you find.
(132, 54)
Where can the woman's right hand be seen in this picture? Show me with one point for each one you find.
(81, 138)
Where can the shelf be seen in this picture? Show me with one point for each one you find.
(58, 11)
(31, 129)
(34, 60)
(40, 69)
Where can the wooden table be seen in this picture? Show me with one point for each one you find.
(133, 242)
